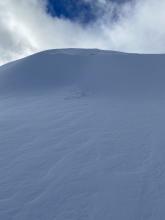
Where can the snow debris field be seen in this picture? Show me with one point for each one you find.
(82, 136)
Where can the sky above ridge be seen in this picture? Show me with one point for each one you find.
(30, 26)
(78, 10)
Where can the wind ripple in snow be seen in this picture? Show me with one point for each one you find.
(82, 136)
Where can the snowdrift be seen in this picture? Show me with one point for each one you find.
(91, 69)
(82, 136)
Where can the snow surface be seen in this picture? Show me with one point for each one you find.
(82, 136)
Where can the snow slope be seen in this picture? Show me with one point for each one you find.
(82, 136)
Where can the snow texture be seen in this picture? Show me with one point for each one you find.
(82, 136)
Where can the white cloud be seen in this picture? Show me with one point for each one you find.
(26, 28)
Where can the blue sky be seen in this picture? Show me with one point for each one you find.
(77, 10)
(72, 9)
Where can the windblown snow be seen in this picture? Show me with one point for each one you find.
(82, 136)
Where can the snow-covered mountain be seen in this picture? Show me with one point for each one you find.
(82, 136)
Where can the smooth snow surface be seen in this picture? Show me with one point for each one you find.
(82, 136)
